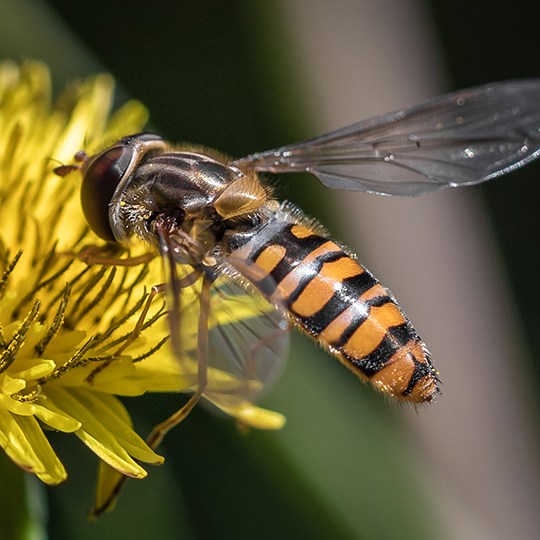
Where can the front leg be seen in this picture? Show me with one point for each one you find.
(107, 255)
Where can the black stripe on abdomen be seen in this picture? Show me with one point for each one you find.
(351, 290)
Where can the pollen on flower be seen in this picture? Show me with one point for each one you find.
(68, 345)
(60, 319)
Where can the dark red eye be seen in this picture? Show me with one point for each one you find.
(100, 179)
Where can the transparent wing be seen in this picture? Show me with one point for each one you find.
(459, 139)
(248, 341)
(233, 335)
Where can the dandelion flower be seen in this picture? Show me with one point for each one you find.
(63, 321)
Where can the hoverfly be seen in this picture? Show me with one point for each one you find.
(220, 232)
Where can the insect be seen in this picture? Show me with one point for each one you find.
(220, 232)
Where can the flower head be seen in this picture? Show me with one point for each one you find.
(65, 326)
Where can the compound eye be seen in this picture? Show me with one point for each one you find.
(101, 177)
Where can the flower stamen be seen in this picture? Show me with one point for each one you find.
(28, 297)
(57, 323)
(91, 284)
(50, 345)
(8, 271)
(76, 361)
(10, 353)
(27, 398)
(99, 296)
(151, 351)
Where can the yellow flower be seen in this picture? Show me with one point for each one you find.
(65, 352)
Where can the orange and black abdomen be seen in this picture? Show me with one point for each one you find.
(342, 305)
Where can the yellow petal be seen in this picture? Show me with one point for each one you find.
(24, 442)
(12, 385)
(109, 482)
(106, 408)
(69, 342)
(40, 370)
(57, 419)
(87, 116)
(108, 449)
(128, 119)
(96, 420)
(255, 417)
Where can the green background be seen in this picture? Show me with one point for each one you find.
(221, 74)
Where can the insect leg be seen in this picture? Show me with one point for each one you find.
(107, 256)
(263, 343)
(156, 289)
(202, 370)
(152, 440)
(161, 430)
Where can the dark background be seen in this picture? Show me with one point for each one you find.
(209, 74)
